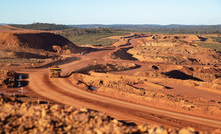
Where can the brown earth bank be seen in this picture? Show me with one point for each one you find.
(32, 49)
(169, 73)
(45, 41)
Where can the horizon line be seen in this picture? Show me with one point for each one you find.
(110, 24)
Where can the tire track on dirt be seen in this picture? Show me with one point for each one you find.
(47, 90)
(108, 105)
(113, 110)
(60, 90)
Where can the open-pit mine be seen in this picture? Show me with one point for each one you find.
(143, 83)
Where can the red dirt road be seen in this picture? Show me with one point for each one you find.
(62, 91)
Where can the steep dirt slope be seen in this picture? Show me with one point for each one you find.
(6, 38)
(44, 41)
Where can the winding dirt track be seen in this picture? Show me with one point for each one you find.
(62, 91)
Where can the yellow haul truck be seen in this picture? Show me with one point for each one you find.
(54, 72)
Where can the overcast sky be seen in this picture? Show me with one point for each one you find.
(189, 12)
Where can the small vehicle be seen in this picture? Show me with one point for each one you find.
(54, 72)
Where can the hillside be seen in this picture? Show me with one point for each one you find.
(29, 49)
(44, 41)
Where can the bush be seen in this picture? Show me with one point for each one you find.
(217, 39)
(216, 46)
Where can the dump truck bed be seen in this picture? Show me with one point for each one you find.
(54, 72)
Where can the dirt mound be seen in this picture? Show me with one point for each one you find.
(121, 54)
(44, 41)
(122, 42)
(207, 74)
(159, 37)
(108, 67)
(108, 80)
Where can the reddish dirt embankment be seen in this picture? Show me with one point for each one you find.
(44, 41)
(33, 49)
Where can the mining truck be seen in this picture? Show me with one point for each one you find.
(54, 72)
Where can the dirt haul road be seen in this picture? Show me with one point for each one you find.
(62, 91)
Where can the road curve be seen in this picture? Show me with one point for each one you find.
(62, 91)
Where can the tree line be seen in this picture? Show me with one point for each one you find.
(167, 29)
(66, 30)
(42, 26)
(91, 29)
(86, 31)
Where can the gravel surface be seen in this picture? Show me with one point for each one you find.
(19, 117)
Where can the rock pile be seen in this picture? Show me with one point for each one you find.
(7, 78)
(18, 117)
